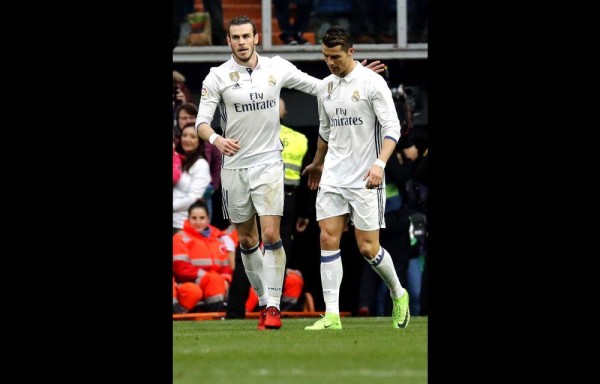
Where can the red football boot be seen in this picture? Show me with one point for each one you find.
(273, 318)
(261, 319)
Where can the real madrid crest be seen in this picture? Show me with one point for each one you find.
(355, 96)
(330, 88)
(272, 80)
(234, 76)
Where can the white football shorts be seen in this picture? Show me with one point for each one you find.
(254, 190)
(365, 206)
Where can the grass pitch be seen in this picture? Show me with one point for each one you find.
(366, 350)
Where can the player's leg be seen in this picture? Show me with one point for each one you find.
(332, 214)
(238, 207)
(268, 196)
(368, 206)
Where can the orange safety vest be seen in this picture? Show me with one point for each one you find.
(208, 253)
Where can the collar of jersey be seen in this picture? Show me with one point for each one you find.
(349, 77)
(241, 68)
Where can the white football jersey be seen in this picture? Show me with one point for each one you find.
(249, 105)
(356, 113)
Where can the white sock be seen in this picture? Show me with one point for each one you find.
(384, 266)
(332, 272)
(253, 265)
(273, 272)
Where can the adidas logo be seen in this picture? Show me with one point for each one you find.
(236, 86)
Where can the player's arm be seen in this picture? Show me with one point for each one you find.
(315, 169)
(306, 83)
(225, 145)
(385, 110)
(209, 100)
(374, 175)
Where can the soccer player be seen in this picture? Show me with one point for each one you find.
(358, 132)
(246, 88)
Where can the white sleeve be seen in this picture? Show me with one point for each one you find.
(210, 97)
(385, 110)
(296, 79)
(200, 178)
(324, 127)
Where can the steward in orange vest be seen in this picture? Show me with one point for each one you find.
(203, 257)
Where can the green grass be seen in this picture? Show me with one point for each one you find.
(367, 350)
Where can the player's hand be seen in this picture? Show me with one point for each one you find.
(373, 177)
(314, 175)
(228, 147)
(301, 224)
(376, 66)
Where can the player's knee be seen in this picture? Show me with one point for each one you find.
(368, 249)
(328, 241)
(270, 235)
(247, 242)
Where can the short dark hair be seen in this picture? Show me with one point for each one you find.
(338, 35)
(241, 20)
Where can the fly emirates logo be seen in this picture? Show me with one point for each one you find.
(340, 119)
(257, 103)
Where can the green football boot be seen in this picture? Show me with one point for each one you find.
(329, 321)
(400, 311)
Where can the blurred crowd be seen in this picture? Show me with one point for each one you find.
(370, 22)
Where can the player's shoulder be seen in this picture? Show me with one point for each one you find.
(326, 81)
(217, 72)
(224, 67)
(280, 61)
(369, 74)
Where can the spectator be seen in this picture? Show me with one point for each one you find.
(180, 10)
(185, 114)
(176, 165)
(215, 10)
(195, 175)
(181, 92)
(203, 254)
(291, 34)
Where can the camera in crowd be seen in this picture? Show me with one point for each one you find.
(175, 90)
(402, 95)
